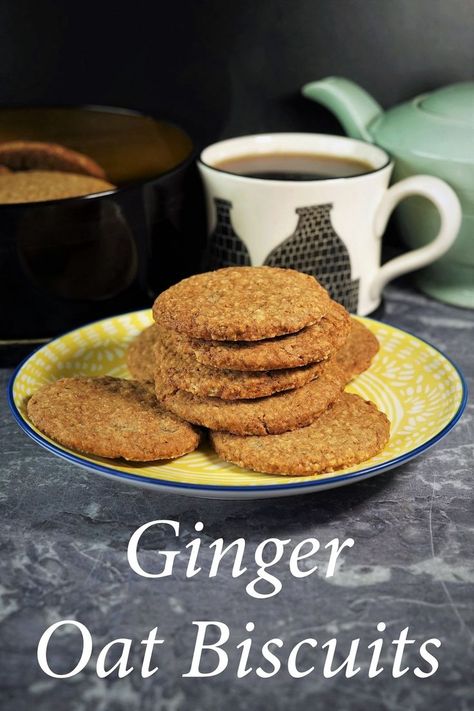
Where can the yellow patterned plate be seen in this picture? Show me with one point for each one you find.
(421, 391)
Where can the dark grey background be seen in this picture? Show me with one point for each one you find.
(224, 68)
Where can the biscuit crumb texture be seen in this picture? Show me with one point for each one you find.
(313, 343)
(40, 185)
(349, 432)
(41, 155)
(110, 417)
(357, 353)
(184, 371)
(242, 303)
(140, 355)
(262, 416)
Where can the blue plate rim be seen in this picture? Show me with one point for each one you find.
(360, 474)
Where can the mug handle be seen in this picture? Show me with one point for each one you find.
(446, 202)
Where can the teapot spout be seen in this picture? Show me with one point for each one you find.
(351, 104)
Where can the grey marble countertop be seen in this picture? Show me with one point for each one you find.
(64, 536)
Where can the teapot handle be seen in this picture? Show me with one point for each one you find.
(446, 202)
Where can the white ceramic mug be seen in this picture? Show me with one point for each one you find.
(330, 228)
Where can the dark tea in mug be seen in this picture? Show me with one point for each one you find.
(294, 166)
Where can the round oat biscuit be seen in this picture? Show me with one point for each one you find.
(39, 155)
(38, 185)
(314, 343)
(183, 371)
(349, 432)
(242, 303)
(140, 355)
(266, 415)
(110, 417)
(357, 353)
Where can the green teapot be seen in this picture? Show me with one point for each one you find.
(431, 134)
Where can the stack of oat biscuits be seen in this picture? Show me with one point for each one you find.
(260, 356)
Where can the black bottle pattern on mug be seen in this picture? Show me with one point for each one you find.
(316, 248)
(225, 248)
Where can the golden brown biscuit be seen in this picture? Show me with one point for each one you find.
(349, 432)
(357, 353)
(183, 371)
(37, 155)
(140, 355)
(314, 343)
(38, 185)
(266, 415)
(110, 417)
(242, 303)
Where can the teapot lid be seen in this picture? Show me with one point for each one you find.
(438, 126)
(455, 103)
